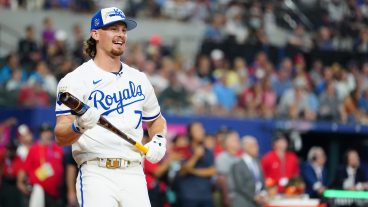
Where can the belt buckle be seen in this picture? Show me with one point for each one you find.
(113, 163)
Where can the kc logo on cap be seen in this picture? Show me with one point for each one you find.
(111, 15)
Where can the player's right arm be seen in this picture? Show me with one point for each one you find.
(69, 128)
(64, 133)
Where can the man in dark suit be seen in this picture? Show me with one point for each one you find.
(247, 177)
(314, 172)
(351, 176)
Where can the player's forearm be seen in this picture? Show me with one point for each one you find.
(64, 133)
(157, 126)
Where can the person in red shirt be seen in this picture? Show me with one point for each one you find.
(43, 168)
(10, 164)
(280, 165)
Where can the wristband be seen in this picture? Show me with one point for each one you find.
(75, 128)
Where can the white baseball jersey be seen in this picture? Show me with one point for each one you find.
(125, 99)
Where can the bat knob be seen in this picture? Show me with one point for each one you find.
(63, 97)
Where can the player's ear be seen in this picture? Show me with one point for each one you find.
(94, 34)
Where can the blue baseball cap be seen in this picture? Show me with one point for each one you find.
(109, 16)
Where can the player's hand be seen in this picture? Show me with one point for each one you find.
(88, 120)
(156, 148)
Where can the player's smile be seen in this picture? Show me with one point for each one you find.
(118, 42)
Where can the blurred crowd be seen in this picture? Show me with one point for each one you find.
(199, 169)
(237, 71)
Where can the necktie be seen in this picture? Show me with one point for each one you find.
(255, 170)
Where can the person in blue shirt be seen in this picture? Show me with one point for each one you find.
(12, 64)
(194, 184)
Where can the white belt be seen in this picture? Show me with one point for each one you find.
(112, 163)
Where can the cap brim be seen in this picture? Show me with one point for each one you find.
(130, 23)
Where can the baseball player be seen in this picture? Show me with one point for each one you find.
(110, 169)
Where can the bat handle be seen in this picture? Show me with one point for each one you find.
(141, 147)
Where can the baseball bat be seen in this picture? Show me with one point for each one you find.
(79, 108)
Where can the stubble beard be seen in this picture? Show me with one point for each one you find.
(115, 52)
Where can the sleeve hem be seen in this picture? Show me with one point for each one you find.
(63, 112)
(151, 118)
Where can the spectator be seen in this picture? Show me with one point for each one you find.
(160, 81)
(215, 32)
(361, 44)
(314, 173)
(294, 102)
(252, 99)
(299, 39)
(43, 168)
(234, 26)
(25, 139)
(66, 66)
(241, 68)
(28, 50)
(269, 99)
(344, 81)
(56, 50)
(204, 99)
(189, 80)
(204, 69)
(11, 65)
(350, 112)
(327, 77)
(48, 32)
(174, 98)
(329, 104)
(283, 82)
(350, 176)
(33, 95)
(313, 104)
(280, 164)
(210, 142)
(179, 9)
(337, 9)
(247, 177)
(226, 96)
(5, 130)
(316, 72)
(161, 177)
(324, 40)
(363, 102)
(148, 9)
(10, 164)
(78, 56)
(15, 83)
(194, 180)
(223, 163)
(43, 73)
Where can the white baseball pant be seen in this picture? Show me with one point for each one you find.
(123, 187)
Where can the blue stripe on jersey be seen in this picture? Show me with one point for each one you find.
(63, 112)
(81, 186)
(151, 118)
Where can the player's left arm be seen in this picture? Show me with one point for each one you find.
(157, 126)
(157, 145)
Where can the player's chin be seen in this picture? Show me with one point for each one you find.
(117, 52)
